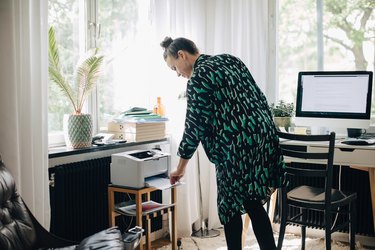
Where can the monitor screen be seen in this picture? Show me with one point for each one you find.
(334, 99)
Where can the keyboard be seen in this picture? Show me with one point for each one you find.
(363, 140)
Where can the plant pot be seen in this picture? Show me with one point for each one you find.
(78, 130)
(282, 122)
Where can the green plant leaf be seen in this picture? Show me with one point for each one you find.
(87, 74)
(282, 109)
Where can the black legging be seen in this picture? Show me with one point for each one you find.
(261, 226)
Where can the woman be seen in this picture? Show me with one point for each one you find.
(230, 116)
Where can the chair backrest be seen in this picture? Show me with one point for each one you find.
(16, 227)
(295, 151)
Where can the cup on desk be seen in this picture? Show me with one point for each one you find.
(355, 132)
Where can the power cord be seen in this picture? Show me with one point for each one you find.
(338, 209)
(131, 217)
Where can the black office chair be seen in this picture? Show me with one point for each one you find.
(296, 203)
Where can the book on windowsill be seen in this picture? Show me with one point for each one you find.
(136, 137)
(135, 132)
(134, 127)
(147, 208)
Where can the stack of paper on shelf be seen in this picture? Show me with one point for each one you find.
(147, 207)
(138, 126)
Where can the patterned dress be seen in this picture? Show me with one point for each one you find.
(230, 116)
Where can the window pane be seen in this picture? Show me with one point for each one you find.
(119, 22)
(297, 43)
(64, 16)
(347, 36)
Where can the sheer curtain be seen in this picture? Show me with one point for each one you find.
(23, 100)
(238, 27)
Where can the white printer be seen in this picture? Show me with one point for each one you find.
(131, 168)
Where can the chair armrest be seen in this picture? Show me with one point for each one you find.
(109, 239)
(45, 239)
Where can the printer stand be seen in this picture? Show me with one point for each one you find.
(152, 213)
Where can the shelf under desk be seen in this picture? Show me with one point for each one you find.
(139, 193)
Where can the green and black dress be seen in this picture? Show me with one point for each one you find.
(228, 113)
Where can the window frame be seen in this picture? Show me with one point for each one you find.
(89, 30)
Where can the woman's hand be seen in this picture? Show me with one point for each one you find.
(176, 175)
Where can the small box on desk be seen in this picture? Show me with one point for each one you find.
(298, 130)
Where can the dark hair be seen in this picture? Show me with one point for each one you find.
(171, 47)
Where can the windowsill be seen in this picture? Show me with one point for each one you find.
(64, 151)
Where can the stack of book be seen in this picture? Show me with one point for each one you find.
(136, 131)
(135, 126)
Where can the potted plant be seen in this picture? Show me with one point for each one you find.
(282, 113)
(77, 126)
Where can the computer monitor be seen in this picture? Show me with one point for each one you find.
(334, 99)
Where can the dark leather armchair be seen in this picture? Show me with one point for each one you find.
(19, 229)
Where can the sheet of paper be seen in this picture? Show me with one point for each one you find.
(161, 183)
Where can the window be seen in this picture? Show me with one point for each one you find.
(64, 15)
(120, 27)
(115, 28)
(324, 35)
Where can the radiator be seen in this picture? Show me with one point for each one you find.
(351, 180)
(79, 199)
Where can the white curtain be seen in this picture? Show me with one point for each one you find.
(23, 100)
(238, 27)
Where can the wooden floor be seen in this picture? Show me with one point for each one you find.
(159, 243)
(291, 242)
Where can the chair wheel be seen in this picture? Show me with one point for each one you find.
(179, 243)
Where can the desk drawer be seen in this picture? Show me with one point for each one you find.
(350, 156)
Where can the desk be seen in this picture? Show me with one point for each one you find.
(358, 157)
(138, 202)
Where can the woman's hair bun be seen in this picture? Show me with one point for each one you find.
(166, 42)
